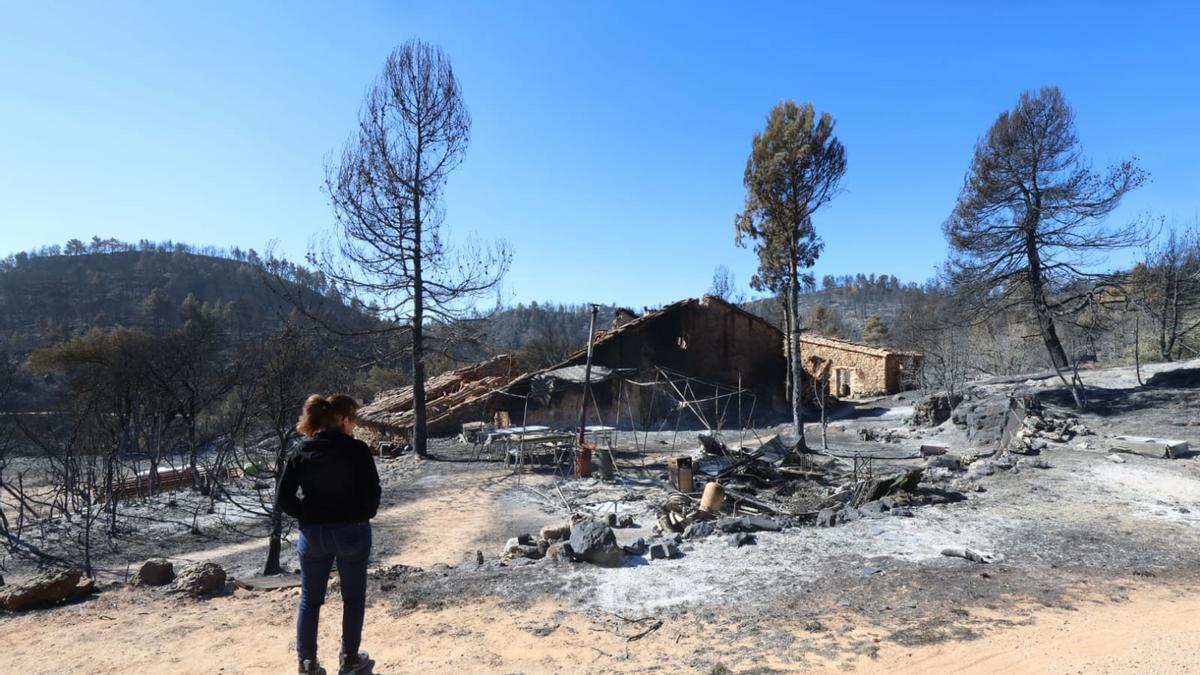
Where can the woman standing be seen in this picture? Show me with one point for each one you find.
(338, 488)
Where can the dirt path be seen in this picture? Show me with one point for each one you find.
(1157, 629)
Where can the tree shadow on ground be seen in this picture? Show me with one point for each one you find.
(1114, 402)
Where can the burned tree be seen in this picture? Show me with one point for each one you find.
(722, 283)
(794, 169)
(386, 191)
(1166, 288)
(289, 364)
(1029, 219)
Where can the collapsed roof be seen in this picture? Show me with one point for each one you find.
(708, 338)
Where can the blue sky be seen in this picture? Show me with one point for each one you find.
(609, 139)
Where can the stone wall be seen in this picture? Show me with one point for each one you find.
(868, 372)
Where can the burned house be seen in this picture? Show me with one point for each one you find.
(855, 369)
(696, 362)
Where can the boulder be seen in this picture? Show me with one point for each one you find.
(203, 578)
(155, 572)
(934, 409)
(560, 551)
(594, 542)
(46, 589)
(984, 420)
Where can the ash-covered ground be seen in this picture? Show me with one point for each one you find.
(1072, 519)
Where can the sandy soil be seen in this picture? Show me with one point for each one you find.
(1149, 629)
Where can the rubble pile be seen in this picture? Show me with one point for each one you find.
(881, 435)
(1040, 427)
(768, 489)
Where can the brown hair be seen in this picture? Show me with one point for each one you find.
(322, 412)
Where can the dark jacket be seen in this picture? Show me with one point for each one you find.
(336, 478)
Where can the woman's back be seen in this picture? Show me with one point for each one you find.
(336, 477)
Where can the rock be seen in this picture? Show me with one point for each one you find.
(981, 468)
(827, 517)
(699, 530)
(532, 551)
(513, 545)
(934, 409)
(951, 462)
(203, 578)
(595, 542)
(638, 547)
(836, 516)
(560, 551)
(155, 572)
(1031, 463)
(749, 524)
(875, 508)
(46, 589)
(1116, 458)
(937, 474)
(971, 554)
(741, 539)
(663, 550)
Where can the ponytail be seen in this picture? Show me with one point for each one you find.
(321, 413)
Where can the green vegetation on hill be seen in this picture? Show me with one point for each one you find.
(48, 297)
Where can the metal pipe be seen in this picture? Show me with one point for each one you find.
(587, 375)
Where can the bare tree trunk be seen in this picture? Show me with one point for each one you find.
(1045, 320)
(794, 356)
(787, 331)
(1137, 352)
(418, 331)
(274, 545)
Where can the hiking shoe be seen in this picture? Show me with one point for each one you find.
(355, 663)
(311, 667)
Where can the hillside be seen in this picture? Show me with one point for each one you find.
(49, 298)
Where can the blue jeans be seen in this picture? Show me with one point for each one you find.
(349, 544)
